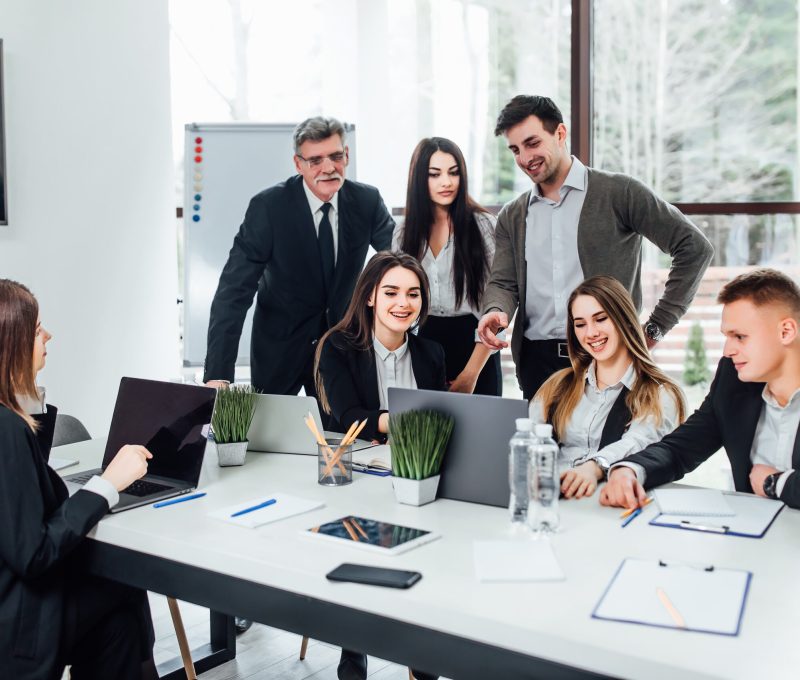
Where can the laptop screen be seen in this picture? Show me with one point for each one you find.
(166, 418)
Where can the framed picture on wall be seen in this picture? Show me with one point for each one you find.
(3, 192)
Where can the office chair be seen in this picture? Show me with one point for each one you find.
(70, 430)
(304, 648)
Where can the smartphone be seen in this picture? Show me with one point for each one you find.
(374, 576)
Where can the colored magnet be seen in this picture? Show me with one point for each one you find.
(198, 187)
(198, 176)
(195, 218)
(198, 149)
(195, 207)
(198, 140)
(198, 159)
(198, 197)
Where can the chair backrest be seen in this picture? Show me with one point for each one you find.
(69, 430)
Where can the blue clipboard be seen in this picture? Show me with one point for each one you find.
(754, 516)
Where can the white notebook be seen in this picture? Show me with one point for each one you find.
(693, 502)
(285, 506)
(514, 561)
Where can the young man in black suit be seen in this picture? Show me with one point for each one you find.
(302, 245)
(752, 409)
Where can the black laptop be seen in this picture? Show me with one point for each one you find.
(169, 419)
(475, 464)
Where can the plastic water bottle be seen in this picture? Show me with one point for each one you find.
(545, 484)
(518, 463)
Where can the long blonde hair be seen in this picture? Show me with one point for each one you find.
(562, 392)
(19, 314)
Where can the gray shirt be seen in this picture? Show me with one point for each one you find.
(551, 251)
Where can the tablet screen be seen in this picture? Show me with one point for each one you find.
(369, 532)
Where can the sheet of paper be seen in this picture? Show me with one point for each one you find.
(510, 561)
(708, 601)
(60, 463)
(285, 506)
(753, 515)
(694, 502)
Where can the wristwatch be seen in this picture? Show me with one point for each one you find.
(603, 464)
(652, 331)
(771, 484)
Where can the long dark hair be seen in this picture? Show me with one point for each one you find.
(358, 323)
(19, 313)
(562, 391)
(470, 260)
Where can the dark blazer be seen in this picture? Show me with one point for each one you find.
(727, 417)
(39, 528)
(276, 252)
(350, 378)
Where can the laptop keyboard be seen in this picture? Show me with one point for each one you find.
(143, 488)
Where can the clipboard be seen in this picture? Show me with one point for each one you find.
(688, 597)
(754, 516)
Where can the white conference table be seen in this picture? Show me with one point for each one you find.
(449, 623)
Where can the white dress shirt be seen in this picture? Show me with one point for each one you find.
(581, 441)
(439, 269)
(333, 215)
(394, 370)
(551, 252)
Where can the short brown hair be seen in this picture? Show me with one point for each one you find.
(522, 106)
(762, 287)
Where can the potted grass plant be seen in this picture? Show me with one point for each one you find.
(233, 413)
(418, 441)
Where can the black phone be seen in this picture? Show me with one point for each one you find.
(374, 576)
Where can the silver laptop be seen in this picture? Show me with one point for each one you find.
(278, 425)
(169, 419)
(475, 465)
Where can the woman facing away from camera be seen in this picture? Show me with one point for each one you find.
(453, 238)
(613, 400)
(53, 613)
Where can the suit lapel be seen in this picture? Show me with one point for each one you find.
(796, 452)
(419, 364)
(742, 431)
(365, 362)
(345, 233)
(305, 235)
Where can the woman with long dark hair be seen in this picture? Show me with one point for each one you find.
(613, 400)
(453, 238)
(53, 614)
(371, 348)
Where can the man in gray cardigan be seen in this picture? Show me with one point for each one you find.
(574, 223)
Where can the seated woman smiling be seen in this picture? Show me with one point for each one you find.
(613, 400)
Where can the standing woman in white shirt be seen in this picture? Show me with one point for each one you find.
(53, 613)
(613, 401)
(453, 238)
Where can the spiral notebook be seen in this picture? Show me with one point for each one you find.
(693, 502)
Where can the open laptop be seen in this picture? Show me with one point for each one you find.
(169, 419)
(475, 465)
(278, 425)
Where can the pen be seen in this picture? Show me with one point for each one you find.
(674, 614)
(180, 499)
(271, 501)
(632, 517)
(630, 511)
(724, 529)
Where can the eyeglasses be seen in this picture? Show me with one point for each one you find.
(316, 161)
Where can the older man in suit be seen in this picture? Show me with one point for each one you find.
(302, 245)
(752, 409)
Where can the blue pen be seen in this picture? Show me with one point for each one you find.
(180, 499)
(632, 517)
(271, 501)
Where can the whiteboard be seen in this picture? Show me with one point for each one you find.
(230, 164)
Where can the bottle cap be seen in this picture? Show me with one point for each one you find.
(524, 424)
(544, 430)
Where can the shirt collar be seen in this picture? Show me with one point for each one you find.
(576, 178)
(627, 379)
(770, 400)
(384, 353)
(315, 203)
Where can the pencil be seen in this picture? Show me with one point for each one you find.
(350, 531)
(358, 526)
(630, 511)
(675, 615)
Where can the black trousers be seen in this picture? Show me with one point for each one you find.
(456, 334)
(538, 360)
(108, 632)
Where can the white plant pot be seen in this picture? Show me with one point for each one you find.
(232, 454)
(415, 491)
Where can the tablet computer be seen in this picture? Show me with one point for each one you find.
(373, 535)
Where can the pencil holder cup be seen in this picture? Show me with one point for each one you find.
(334, 463)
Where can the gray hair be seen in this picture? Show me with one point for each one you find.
(316, 129)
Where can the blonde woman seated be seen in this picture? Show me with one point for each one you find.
(614, 400)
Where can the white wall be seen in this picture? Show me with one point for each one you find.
(91, 192)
